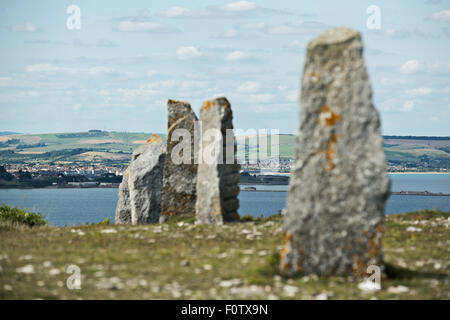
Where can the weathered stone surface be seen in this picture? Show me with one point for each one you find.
(123, 209)
(338, 184)
(217, 184)
(180, 179)
(141, 189)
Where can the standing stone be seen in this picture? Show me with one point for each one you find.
(338, 184)
(180, 179)
(123, 209)
(217, 183)
(140, 190)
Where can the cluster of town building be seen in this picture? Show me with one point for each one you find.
(269, 166)
(66, 170)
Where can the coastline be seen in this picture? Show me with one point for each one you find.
(421, 172)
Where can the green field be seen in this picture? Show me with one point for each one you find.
(115, 148)
(82, 148)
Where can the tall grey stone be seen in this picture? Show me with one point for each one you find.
(217, 183)
(123, 208)
(338, 185)
(180, 169)
(141, 188)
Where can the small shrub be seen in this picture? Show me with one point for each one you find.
(16, 215)
(107, 221)
(247, 218)
(186, 218)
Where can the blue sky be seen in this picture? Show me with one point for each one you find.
(118, 70)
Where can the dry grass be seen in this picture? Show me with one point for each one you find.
(180, 260)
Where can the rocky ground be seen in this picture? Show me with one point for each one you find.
(180, 260)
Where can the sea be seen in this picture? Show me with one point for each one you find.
(76, 206)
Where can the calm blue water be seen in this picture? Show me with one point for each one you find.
(77, 206)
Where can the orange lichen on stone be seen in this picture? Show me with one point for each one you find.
(207, 105)
(287, 239)
(359, 268)
(314, 76)
(172, 101)
(374, 243)
(300, 261)
(327, 116)
(216, 213)
(379, 226)
(373, 246)
(154, 138)
(330, 152)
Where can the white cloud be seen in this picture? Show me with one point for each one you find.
(434, 118)
(100, 70)
(261, 98)
(391, 81)
(389, 104)
(76, 107)
(443, 15)
(144, 26)
(254, 25)
(439, 67)
(161, 88)
(93, 71)
(33, 93)
(176, 12)
(296, 44)
(184, 53)
(296, 27)
(142, 91)
(395, 33)
(410, 66)
(26, 27)
(232, 33)
(131, 26)
(227, 10)
(104, 93)
(236, 55)
(419, 91)
(292, 96)
(239, 6)
(283, 29)
(5, 81)
(249, 87)
(407, 106)
(49, 68)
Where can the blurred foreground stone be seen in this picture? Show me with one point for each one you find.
(338, 185)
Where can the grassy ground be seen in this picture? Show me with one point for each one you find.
(180, 260)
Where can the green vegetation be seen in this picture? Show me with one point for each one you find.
(181, 260)
(112, 148)
(21, 217)
(78, 148)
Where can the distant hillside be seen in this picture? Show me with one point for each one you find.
(83, 148)
(5, 133)
(114, 148)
